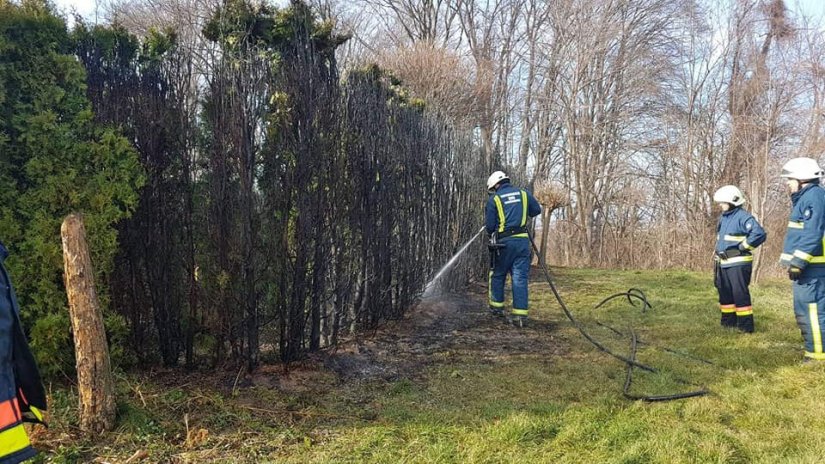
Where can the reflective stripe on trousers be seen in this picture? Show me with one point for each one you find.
(513, 259)
(732, 284)
(809, 309)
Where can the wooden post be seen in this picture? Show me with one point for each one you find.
(545, 233)
(94, 374)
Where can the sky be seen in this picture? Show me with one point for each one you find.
(811, 7)
(87, 8)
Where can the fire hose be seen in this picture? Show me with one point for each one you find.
(633, 296)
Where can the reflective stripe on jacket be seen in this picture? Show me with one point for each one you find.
(804, 247)
(509, 208)
(738, 229)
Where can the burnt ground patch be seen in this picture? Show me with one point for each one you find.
(446, 328)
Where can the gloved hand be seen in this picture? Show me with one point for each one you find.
(493, 244)
(794, 273)
(733, 252)
(727, 254)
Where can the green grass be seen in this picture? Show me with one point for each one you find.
(543, 407)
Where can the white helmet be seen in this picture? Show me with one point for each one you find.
(801, 169)
(495, 178)
(729, 194)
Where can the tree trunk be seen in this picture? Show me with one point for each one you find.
(94, 375)
(545, 233)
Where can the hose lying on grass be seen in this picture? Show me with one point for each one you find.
(632, 296)
(636, 293)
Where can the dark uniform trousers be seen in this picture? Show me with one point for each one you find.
(734, 296)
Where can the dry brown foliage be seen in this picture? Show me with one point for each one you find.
(434, 74)
(551, 195)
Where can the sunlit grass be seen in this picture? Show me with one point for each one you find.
(765, 405)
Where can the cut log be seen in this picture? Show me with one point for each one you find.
(94, 374)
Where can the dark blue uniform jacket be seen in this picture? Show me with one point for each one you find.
(509, 208)
(738, 229)
(803, 246)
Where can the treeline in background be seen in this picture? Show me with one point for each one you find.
(627, 115)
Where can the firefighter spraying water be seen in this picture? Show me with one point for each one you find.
(510, 244)
(506, 215)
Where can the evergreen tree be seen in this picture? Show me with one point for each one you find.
(54, 159)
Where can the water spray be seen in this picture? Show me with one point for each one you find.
(431, 285)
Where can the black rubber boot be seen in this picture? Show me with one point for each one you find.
(745, 323)
(729, 320)
(498, 312)
(519, 321)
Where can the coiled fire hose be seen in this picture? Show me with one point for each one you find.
(632, 295)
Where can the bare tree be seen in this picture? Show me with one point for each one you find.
(432, 21)
(491, 30)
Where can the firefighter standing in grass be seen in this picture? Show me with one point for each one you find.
(506, 217)
(803, 252)
(737, 235)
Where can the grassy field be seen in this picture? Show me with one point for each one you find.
(534, 406)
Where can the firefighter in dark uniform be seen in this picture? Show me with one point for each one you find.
(506, 217)
(22, 397)
(803, 252)
(738, 233)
